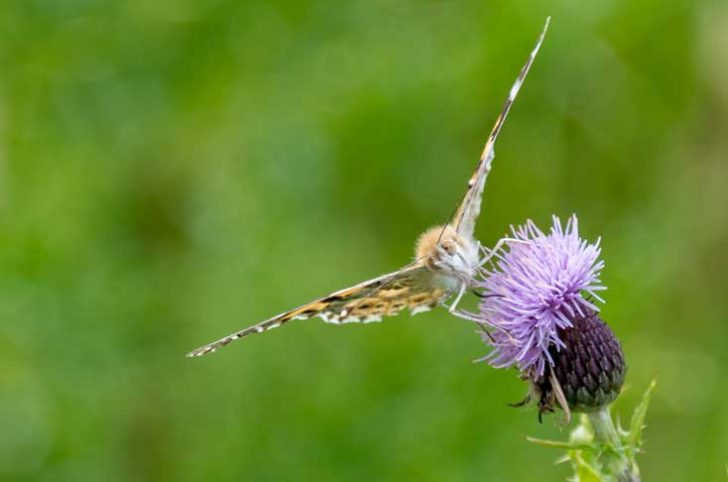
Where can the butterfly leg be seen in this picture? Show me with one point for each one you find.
(488, 254)
(465, 315)
(453, 306)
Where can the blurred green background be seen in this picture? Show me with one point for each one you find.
(173, 170)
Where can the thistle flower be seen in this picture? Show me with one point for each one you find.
(539, 303)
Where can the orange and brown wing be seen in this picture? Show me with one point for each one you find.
(410, 287)
(469, 209)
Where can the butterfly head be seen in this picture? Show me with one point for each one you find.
(447, 253)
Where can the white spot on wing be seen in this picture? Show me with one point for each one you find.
(372, 319)
(420, 309)
(514, 90)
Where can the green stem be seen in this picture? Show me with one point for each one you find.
(616, 460)
(604, 429)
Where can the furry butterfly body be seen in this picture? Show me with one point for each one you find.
(446, 260)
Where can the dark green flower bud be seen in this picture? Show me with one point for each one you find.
(588, 370)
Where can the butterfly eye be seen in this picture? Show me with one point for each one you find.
(449, 248)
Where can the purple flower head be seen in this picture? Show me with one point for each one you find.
(535, 290)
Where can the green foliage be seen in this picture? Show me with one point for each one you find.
(632, 439)
(171, 171)
(611, 457)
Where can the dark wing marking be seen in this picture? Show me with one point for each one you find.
(387, 295)
(469, 209)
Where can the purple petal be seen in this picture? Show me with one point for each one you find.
(539, 286)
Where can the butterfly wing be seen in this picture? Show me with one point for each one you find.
(411, 287)
(469, 209)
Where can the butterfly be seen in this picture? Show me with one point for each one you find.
(446, 259)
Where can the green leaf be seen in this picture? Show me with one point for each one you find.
(634, 440)
(586, 468)
(561, 445)
(587, 473)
